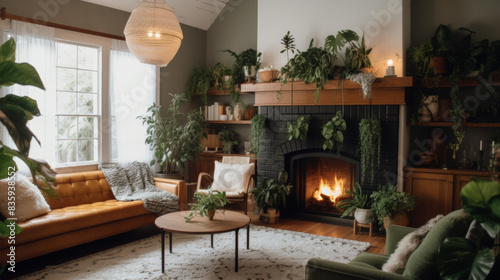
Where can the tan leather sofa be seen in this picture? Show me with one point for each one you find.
(85, 211)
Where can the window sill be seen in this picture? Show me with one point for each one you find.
(77, 168)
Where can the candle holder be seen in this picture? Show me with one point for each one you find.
(389, 72)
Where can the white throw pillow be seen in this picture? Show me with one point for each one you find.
(26, 200)
(406, 246)
(231, 177)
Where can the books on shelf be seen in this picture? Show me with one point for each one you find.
(214, 111)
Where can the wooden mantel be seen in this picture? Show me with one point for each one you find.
(385, 91)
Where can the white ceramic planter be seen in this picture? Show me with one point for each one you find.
(363, 216)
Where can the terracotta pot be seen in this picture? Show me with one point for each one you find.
(272, 216)
(363, 216)
(366, 70)
(211, 214)
(400, 220)
(249, 113)
(439, 64)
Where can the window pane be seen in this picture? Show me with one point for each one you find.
(87, 81)
(67, 127)
(87, 103)
(66, 55)
(67, 151)
(66, 102)
(87, 127)
(66, 79)
(87, 150)
(87, 58)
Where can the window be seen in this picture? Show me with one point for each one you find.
(78, 97)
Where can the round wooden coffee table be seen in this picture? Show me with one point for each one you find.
(174, 222)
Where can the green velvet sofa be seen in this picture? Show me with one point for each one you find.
(422, 263)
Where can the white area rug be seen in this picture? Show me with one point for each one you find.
(273, 254)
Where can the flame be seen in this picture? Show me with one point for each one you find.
(332, 192)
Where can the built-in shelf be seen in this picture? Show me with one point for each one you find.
(231, 122)
(454, 171)
(385, 91)
(465, 82)
(465, 124)
(215, 92)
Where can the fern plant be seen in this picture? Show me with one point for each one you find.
(257, 131)
(332, 130)
(298, 130)
(370, 136)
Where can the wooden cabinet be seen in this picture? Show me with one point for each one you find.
(437, 191)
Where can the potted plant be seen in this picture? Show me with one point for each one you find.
(333, 130)
(391, 206)
(207, 204)
(475, 255)
(221, 75)
(270, 195)
(199, 83)
(298, 130)
(370, 136)
(172, 140)
(249, 59)
(228, 139)
(257, 131)
(358, 204)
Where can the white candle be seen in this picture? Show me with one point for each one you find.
(390, 69)
(481, 145)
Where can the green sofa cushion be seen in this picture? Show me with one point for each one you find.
(369, 260)
(422, 264)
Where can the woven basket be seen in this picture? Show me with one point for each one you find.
(268, 75)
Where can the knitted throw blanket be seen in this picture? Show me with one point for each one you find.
(135, 182)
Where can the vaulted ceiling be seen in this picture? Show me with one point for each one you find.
(197, 13)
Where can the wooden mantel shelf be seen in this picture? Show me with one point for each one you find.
(385, 91)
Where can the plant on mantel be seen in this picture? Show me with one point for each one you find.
(288, 42)
(248, 58)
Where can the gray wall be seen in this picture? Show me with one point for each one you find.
(235, 29)
(99, 18)
(481, 16)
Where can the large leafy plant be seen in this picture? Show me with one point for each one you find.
(468, 258)
(332, 130)
(173, 141)
(387, 201)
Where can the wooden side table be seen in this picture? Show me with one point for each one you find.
(369, 226)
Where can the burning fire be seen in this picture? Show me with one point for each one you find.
(333, 192)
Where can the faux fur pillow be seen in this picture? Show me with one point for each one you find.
(26, 200)
(397, 261)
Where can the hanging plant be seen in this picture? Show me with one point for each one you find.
(298, 130)
(332, 130)
(370, 136)
(199, 83)
(257, 131)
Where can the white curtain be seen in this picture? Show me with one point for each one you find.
(132, 91)
(36, 46)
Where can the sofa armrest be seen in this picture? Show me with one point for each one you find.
(394, 235)
(177, 187)
(320, 269)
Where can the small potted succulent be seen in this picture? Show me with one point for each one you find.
(207, 204)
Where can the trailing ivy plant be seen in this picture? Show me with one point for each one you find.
(332, 130)
(315, 65)
(249, 58)
(199, 83)
(257, 131)
(298, 130)
(370, 136)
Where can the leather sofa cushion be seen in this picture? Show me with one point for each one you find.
(77, 217)
(80, 188)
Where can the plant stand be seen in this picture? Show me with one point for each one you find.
(369, 226)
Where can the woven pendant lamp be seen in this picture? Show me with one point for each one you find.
(153, 33)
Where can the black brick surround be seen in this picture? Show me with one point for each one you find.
(275, 149)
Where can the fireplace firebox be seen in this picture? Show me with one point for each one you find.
(321, 182)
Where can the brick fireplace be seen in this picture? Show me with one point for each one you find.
(308, 164)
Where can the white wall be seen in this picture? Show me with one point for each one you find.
(380, 20)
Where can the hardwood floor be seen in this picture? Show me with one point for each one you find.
(377, 241)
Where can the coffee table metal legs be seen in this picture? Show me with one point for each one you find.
(212, 240)
(248, 236)
(162, 251)
(170, 241)
(236, 250)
